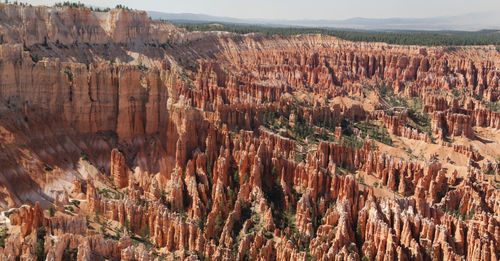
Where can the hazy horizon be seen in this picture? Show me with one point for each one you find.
(299, 10)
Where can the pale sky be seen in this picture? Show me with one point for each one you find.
(304, 9)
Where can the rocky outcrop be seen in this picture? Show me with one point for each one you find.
(397, 125)
(486, 118)
(466, 150)
(414, 134)
(28, 218)
(119, 170)
(79, 25)
(453, 124)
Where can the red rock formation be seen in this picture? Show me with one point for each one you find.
(485, 118)
(453, 124)
(29, 218)
(466, 150)
(203, 176)
(119, 170)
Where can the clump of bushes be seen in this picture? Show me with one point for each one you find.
(142, 67)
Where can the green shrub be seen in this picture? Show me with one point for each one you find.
(301, 129)
(70, 4)
(142, 67)
(3, 236)
(47, 167)
(218, 222)
(123, 7)
(69, 73)
(376, 132)
(40, 245)
(358, 231)
(202, 222)
(126, 224)
(34, 57)
(84, 156)
(145, 232)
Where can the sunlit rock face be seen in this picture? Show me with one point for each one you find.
(127, 138)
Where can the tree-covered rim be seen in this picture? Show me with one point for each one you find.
(424, 38)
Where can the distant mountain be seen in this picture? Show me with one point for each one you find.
(194, 17)
(466, 22)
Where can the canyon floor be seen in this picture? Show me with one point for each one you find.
(126, 138)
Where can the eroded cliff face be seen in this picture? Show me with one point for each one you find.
(126, 138)
(39, 25)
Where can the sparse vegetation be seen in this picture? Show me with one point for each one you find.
(114, 194)
(68, 72)
(47, 167)
(352, 141)
(25, 48)
(456, 213)
(17, 3)
(299, 157)
(70, 4)
(123, 7)
(387, 93)
(91, 8)
(377, 132)
(301, 129)
(3, 236)
(420, 121)
(145, 232)
(202, 222)
(493, 106)
(34, 57)
(358, 232)
(39, 248)
(75, 202)
(84, 156)
(245, 177)
(97, 9)
(126, 224)
(218, 222)
(142, 67)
